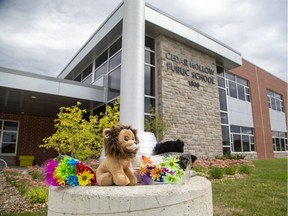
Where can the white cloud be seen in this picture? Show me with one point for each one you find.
(42, 36)
(256, 29)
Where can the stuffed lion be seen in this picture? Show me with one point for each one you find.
(121, 146)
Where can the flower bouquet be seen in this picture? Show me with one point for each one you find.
(161, 169)
(69, 171)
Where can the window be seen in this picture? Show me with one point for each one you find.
(109, 59)
(115, 61)
(232, 89)
(102, 58)
(149, 44)
(149, 57)
(224, 117)
(275, 101)
(149, 81)
(87, 71)
(8, 136)
(225, 136)
(115, 47)
(279, 140)
(85, 76)
(101, 70)
(222, 98)
(114, 84)
(149, 102)
(242, 139)
(223, 111)
(221, 81)
(149, 90)
(101, 64)
(108, 64)
(237, 87)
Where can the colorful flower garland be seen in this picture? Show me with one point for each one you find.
(69, 171)
(165, 170)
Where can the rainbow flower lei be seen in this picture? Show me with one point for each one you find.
(161, 170)
(69, 171)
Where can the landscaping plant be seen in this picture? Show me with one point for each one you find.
(216, 172)
(217, 168)
(157, 125)
(29, 184)
(78, 137)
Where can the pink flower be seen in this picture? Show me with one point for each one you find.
(50, 168)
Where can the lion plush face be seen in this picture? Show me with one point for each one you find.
(120, 141)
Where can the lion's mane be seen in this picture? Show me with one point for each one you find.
(112, 145)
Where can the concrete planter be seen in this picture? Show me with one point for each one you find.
(191, 198)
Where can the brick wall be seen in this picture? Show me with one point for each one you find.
(32, 130)
(260, 81)
(189, 102)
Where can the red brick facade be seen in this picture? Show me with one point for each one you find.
(260, 81)
(32, 130)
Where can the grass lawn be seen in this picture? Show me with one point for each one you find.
(264, 192)
(42, 212)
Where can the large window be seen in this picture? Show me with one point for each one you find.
(223, 111)
(279, 140)
(108, 64)
(8, 136)
(237, 87)
(275, 101)
(149, 90)
(242, 139)
(114, 84)
(108, 60)
(101, 64)
(234, 138)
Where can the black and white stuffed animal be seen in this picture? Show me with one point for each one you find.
(175, 146)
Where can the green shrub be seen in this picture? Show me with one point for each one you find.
(157, 125)
(200, 170)
(245, 169)
(216, 172)
(78, 137)
(231, 156)
(37, 194)
(22, 187)
(36, 172)
(230, 170)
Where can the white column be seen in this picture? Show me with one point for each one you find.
(133, 77)
(132, 64)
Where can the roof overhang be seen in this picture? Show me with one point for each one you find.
(32, 94)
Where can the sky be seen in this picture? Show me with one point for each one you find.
(42, 36)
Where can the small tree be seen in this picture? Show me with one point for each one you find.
(78, 137)
(156, 125)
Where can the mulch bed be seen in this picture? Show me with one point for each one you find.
(12, 201)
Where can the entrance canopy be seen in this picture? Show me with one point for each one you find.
(38, 95)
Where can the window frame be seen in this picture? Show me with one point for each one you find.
(275, 101)
(241, 134)
(152, 98)
(2, 131)
(279, 136)
(232, 79)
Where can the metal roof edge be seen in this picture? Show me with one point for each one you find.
(191, 27)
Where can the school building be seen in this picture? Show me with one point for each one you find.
(214, 99)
